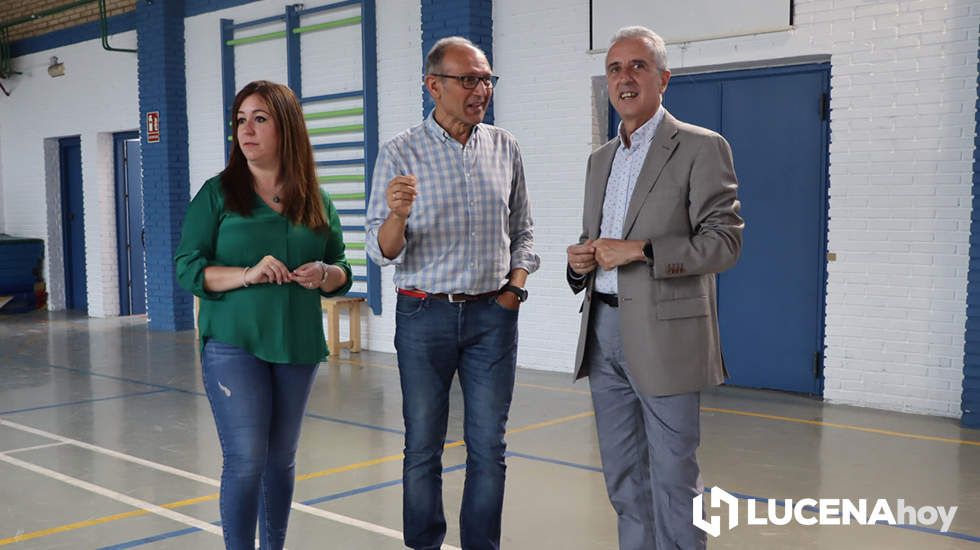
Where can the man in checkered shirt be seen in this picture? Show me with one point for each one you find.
(449, 209)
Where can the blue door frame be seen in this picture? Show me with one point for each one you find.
(129, 224)
(771, 305)
(970, 399)
(73, 223)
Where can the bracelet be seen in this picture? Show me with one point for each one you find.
(244, 282)
(323, 266)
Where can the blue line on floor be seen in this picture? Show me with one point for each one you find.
(555, 461)
(202, 394)
(311, 502)
(813, 509)
(363, 425)
(121, 379)
(931, 531)
(148, 540)
(162, 388)
(81, 401)
(369, 488)
(394, 482)
(352, 423)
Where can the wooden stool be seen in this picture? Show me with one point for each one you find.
(333, 306)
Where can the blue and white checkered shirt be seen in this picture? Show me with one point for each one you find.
(471, 221)
(619, 190)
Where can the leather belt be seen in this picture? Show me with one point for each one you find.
(610, 300)
(451, 298)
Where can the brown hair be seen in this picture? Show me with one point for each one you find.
(302, 203)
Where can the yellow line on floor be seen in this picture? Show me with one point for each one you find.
(350, 467)
(69, 527)
(547, 423)
(99, 521)
(550, 388)
(359, 363)
(454, 444)
(842, 426)
(339, 469)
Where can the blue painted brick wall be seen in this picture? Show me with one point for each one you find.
(472, 19)
(971, 357)
(162, 87)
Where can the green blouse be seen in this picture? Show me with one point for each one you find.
(276, 323)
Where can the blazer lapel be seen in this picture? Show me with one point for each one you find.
(663, 145)
(602, 161)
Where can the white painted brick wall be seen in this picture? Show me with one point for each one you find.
(99, 193)
(96, 97)
(545, 99)
(399, 106)
(904, 87)
(902, 122)
(53, 250)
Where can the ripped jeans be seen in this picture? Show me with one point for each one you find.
(258, 408)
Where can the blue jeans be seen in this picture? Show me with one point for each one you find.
(258, 408)
(434, 340)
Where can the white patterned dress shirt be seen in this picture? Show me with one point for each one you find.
(619, 189)
(471, 221)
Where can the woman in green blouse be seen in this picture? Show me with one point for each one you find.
(260, 244)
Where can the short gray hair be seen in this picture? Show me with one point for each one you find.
(433, 60)
(657, 45)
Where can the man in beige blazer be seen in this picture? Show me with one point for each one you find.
(661, 218)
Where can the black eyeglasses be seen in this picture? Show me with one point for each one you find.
(469, 81)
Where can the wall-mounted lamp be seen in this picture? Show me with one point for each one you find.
(56, 68)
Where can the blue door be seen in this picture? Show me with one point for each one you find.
(73, 224)
(129, 225)
(771, 305)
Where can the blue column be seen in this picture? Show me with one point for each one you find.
(971, 357)
(162, 89)
(472, 19)
(294, 68)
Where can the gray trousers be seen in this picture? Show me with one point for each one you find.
(647, 444)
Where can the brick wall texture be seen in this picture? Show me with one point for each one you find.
(11, 10)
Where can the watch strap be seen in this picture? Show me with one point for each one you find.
(521, 293)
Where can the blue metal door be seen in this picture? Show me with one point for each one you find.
(73, 223)
(771, 305)
(130, 234)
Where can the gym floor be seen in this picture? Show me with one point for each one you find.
(107, 441)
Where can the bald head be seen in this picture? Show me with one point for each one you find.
(437, 54)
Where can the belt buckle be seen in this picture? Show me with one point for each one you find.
(453, 300)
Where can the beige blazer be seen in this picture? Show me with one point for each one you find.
(685, 203)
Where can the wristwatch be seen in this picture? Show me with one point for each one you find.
(521, 293)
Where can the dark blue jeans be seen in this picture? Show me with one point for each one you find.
(435, 339)
(258, 408)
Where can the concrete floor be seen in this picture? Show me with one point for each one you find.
(107, 441)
